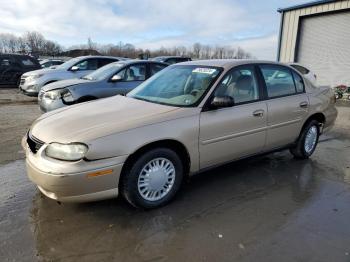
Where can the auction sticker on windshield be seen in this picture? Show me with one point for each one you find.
(204, 70)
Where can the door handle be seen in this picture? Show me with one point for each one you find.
(304, 104)
(258, 113)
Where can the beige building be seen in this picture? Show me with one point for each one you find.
(317, 35)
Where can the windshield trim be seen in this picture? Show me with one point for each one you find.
(220, 70)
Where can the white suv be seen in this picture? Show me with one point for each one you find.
(32, 82)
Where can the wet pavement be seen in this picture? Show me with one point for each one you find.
(270, 208)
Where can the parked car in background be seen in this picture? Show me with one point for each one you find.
(50, 62)
(307, 73)
(12, 66)
(342, 91)
(187, 118)
(171, 59)
(112, 79)
(32, 82)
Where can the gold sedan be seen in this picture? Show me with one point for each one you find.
(189, 117)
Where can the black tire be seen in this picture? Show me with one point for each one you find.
(299, 151)
(129, 183)
(348, 97)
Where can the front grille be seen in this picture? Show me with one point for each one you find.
(34, 143)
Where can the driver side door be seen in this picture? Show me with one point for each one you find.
(234, 132)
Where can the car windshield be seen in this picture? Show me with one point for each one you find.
(104, 72)
(177, 85)
(69, 63)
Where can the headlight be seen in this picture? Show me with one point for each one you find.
(67, 97)
(32, 77)
(68, 152)
(54, 94)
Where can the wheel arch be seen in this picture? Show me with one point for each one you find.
(319, 117)
(86, 98)
(174, 145)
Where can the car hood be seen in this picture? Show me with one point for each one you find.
(88, 121)
(64, 83)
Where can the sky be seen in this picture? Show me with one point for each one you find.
(252, 25)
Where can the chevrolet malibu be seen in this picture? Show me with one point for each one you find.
(189, 117)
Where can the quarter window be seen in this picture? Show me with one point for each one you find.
(279, 80)
(299, 84)
(240, 84)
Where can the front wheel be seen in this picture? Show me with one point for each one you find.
(307, 141)
(153, 179)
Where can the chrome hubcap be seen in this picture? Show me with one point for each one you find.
(156, 179)
(310, 139)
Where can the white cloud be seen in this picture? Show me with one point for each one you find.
(150, 24)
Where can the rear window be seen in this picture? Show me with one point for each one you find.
(301, 69)
(279, 80)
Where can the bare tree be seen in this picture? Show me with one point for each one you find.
(196, 50)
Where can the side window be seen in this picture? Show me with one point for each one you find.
(241, 84)
(89, 64)
(299, 83)
(104, 61)
(135, 73)
(27, 62)
(278, 79)
(171, 61)
(155, 68)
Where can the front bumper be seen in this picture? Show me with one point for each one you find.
(80, 181)
(29, 88)
(29, 92)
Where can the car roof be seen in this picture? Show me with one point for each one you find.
(226, 63)
(167, 57)
(137, 61)
(18, 55)
(101, 56)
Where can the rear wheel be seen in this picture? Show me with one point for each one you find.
(153, 179)
(307, 141)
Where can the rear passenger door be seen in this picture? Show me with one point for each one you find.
(238, 131)
(287, 104)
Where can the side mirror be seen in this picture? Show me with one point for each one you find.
(116, 78)
(74, 68)
(222, 101)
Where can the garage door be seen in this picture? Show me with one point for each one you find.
(324, 47)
